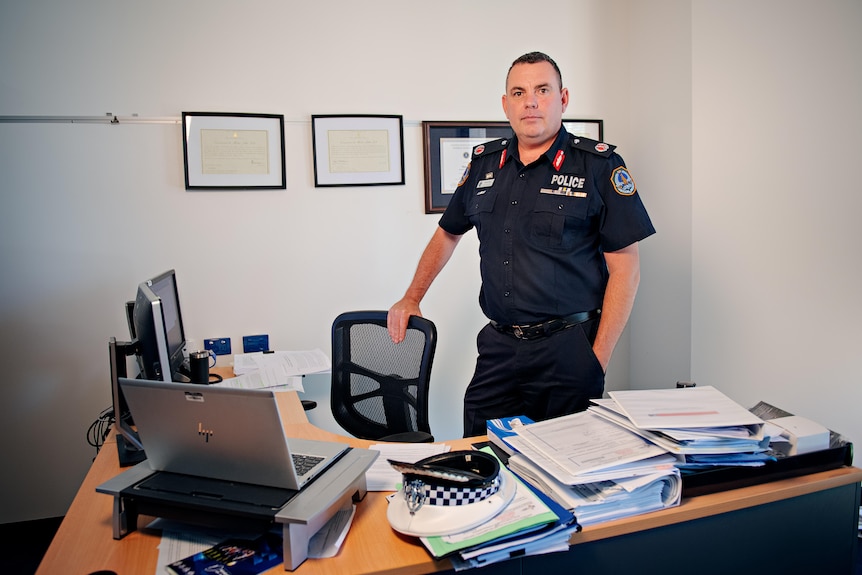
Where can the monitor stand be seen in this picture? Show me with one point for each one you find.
(129, 448)
(301, 518)
(129, 453)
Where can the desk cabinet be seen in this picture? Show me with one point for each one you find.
(806, 535)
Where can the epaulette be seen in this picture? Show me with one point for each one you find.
(490, 147)
(587, 145)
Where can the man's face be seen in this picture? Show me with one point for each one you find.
(534, 102)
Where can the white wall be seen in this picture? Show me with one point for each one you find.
(88, 211)
(660, 101)
(776, 313)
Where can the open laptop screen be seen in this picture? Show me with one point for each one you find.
(220, 433)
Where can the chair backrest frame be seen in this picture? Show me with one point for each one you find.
(376, 389)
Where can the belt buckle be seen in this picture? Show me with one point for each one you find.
(518, 331)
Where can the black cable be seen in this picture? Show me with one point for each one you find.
(99, 429)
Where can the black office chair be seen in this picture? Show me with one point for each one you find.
(380, 389)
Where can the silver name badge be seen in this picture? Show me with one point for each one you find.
(485, 183)
(563, 192)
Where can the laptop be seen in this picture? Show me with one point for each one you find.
(220, 433)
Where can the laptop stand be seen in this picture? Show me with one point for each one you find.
(301, 517)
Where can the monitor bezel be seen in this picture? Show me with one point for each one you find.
(161, 363)
(165, 286)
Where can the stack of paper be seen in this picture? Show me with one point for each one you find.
(701, 424)
(595, 468)
(790, 434)
(276, 369)
(803, 435)
(381, 476)
(583, 448)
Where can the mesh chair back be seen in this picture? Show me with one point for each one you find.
(380, 388)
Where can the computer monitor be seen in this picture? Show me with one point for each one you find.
(158, 327)
(158, 341)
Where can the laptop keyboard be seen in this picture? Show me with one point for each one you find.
(304, 463)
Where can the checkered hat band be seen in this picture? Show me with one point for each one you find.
(450, 495)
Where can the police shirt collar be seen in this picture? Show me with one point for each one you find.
(551, 153)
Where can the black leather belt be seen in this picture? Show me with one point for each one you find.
(546, 328)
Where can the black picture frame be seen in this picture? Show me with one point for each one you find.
(357, 150)
(233, 151)
(593, 129)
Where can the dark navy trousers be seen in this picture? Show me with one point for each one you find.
(540, 378)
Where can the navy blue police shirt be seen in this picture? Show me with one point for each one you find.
(543, 228)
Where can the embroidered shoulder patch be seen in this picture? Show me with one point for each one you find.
(623, 182)
(464, 177)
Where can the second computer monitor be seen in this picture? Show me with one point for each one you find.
(159, 328)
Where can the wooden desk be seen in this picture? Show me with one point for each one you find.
(800, 525)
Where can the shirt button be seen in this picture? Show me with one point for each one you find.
(522, 176)
(505, 263)
(507, 230)
(514, 202)
(505, 294)
(560, 207)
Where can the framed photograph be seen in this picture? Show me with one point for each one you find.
(359, 150)
(593, 129)
(233, 151)
(448, 147)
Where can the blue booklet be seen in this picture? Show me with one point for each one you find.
(233, 557)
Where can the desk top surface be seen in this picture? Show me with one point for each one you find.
(85, 540)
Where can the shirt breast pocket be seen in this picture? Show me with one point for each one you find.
(557, 220)
(482, 203)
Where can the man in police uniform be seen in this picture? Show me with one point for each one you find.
(559, 220)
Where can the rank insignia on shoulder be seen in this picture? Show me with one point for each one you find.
(623, 182)
(490, 147)
(592, 146)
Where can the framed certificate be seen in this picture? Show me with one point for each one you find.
(233, 151)
(360, 150)
(448, 147)
(593, 129)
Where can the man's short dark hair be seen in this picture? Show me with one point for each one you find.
(535, 58)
